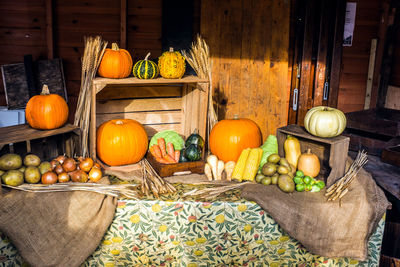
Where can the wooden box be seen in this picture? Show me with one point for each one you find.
(165, 170)
(332, 152)
(23, 139)
(159, 104)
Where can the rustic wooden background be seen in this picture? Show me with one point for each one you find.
(249, 43)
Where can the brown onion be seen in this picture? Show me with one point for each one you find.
(69, 165)
(58, 169)
(49, 178)
(96, 165)
(86, 164)
(63, 177)
(61, 159)
(79, 176)
(95, 174)
(54, 163)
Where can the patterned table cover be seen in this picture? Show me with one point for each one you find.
(171, 231)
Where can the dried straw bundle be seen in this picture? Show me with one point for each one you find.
(94, 50)
(199, 59)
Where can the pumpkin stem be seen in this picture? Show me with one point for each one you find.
(308, 150)
(114, 46)
(196, 131)
(45, 90)
(171, 49)
(236, 117)
(147, 56)
(326, 108)
(118, 122)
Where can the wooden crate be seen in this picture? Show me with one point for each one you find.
(159, 104)
(23, 139)
(165, 170)
(332, 152)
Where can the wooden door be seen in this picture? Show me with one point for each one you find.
(315, 58)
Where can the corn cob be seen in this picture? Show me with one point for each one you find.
(252, 164)
(240, 165)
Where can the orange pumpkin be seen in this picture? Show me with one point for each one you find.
(229, 137)
(121, 142)
(46, 111)
(116, 63)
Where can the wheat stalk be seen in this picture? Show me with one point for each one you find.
(94, 51)
(200, 60)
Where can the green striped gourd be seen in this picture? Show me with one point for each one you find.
(171, 64)
(145, 69)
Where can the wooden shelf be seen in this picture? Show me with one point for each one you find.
(23, 132)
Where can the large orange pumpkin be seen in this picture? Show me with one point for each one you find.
(229, 137)
(46, 111)
(121, 142)
(116, 63)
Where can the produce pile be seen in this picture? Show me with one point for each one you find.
(15, 170)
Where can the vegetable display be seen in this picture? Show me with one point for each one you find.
(171, 64)
(145, 69)
(116, 63)
(121, 142)
(229, 137)
(46, 111)
(325, 121)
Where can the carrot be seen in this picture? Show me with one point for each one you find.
(170, 149)
(155, 151)
(169, 159)
(161, 144)
(162, 160)
(177, 155)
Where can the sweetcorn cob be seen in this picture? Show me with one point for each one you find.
(252, 164)
(240, 165)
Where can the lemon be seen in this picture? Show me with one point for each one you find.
(162, 228)
(144, 259)
(247, 228)
(115, 252)
(207, 206)
(274, 264)
(135, 218)
(242, 207)
(284, 238)
(117, 239)
(201, 240)
(198, 252)
(353, 262)
(220, 218)
(274, 242)
(107, 242)
(109, 264)
(190, 243)
(156, 208)
(259, 241)
(281, 251)
(192, 265)
(176, 242)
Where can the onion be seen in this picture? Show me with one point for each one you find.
(96, 165)
(61, 159)
(95, 174)
(79, 176)
(63, 177)
(54, 163)
(86, 164)
(49, 178)
(69, 165)
(58, 169)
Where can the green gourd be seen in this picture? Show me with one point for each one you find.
(145, 69)
(192, 153)
(195, 139)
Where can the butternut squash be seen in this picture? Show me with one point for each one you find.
(292, 150)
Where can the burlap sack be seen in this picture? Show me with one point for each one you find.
(326, 228)
(55, 229)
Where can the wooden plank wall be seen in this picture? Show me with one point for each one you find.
(249, 43)
(355, 59)
(23, 31)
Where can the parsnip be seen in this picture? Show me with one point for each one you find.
(220, 169)
(212, 160)
(207, 171)
(229, 167)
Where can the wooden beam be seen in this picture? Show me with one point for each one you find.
(49, 29)
(337, 53)
(123, 24)
(371, 65)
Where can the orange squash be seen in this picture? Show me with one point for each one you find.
(309, 164)
(116, 63)
(121, 142)
(46, 111)
(229, 137)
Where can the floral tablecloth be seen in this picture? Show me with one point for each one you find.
(171, 231)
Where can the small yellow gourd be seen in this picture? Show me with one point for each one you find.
(292, 150)
(171, 64)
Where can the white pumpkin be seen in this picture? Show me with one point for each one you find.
(325, 121)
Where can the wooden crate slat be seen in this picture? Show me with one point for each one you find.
(130, 105)
(142, 117)
(152, 129)
(123, 92)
